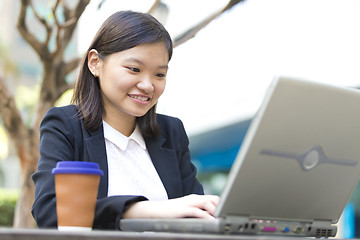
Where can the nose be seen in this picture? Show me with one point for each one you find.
(145, 85)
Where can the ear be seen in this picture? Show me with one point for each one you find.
(94, 62)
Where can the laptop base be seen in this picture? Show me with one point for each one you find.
(231, 225)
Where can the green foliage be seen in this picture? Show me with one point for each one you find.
(8, 200)
(26, 99)
(4, 145)
(65, 99)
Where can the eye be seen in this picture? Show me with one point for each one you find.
(134, 69)
(160, 75)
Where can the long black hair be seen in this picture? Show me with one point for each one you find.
(121, 31)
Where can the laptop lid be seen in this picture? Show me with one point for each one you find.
(299, 159)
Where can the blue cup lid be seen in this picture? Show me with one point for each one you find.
(77, 167)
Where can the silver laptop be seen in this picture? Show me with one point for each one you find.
(295, 171)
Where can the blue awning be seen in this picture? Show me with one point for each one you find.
(216, 150)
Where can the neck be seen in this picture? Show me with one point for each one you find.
(125, 125)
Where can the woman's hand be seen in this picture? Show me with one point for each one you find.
(197, 206)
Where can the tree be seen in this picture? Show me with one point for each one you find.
(52, 86)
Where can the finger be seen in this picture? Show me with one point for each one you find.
(213, 198)
(209, 207)
(206, 202)
(197, 213)
(195, 198)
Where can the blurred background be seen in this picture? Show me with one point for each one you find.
(216, 80)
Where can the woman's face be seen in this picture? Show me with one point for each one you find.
(132, 80)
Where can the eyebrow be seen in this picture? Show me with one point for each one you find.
(141, 63)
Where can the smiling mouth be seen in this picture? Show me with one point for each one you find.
(140, 98)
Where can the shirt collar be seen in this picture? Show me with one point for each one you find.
(138, 138)
(121, 140)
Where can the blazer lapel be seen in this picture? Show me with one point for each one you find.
(164, 162)
(95, 146)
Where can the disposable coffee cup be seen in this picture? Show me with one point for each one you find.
(76, 188)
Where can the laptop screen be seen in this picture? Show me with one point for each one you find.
(299, 159)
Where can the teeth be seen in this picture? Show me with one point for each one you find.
(140, 98)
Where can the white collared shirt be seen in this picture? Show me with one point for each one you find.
(130, 169)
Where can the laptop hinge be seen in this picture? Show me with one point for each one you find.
(322, 228)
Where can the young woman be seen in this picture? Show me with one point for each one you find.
(144, 155)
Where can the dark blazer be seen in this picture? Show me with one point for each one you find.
(63, 137)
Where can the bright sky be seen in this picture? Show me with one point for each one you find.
(221, 75)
